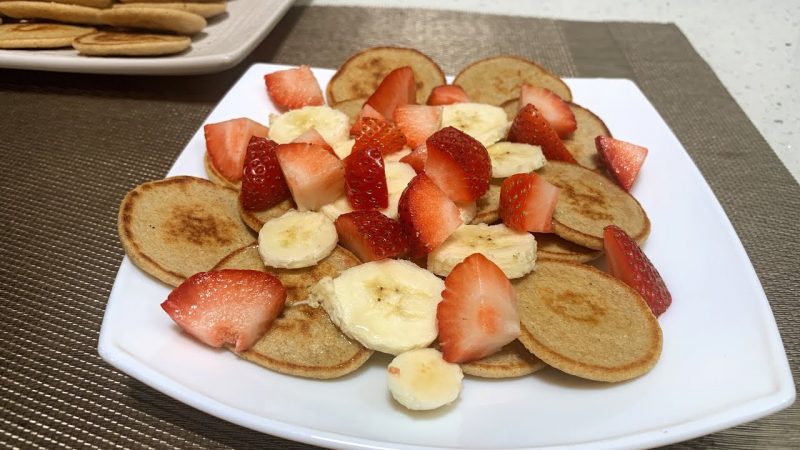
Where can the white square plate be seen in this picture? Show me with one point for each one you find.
(222, 44)
(722, 364)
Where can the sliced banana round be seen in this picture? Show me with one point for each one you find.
(296, 239)
(513, 251)
(388, 305)
(509, 158)
(333, 125)
(422, 380)
(468, 211)
(486, 123)
(398, 175)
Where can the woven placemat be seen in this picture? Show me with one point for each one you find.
(72, 145)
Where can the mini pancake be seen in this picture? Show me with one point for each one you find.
(513, 360)
(217, 177)
(89, 3)
(256, 219)
(488, 206)
(176, 227)
(51, 11)
(106, 43)
(351, 107)
(499, 79)
(206, 10)
(40, 35)
(586, 323)
(588, 202)
(302, 341)
(180, 22)
(581, 142)
(361, 74)
(550, 246)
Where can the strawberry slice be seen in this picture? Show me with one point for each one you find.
(397, 88)
(312, 136)
(428, 216)
(263, 185)
(294, 88)
(366, 111)
(478, 312)
(458, 164)
(226, 143)
(233, 307)
(379, 134)
(418, 122)
(527, 202)
(365, 178)
(447, 94)
(315, 177)
(628, 263)
(416, 158)
(554, 109)
(371, 236)
(623, 159)
(530, 127)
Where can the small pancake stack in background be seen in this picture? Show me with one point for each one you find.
(106, 27)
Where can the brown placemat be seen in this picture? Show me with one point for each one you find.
(72, 145)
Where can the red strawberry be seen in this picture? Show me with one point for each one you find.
(458, 164)
(263, 185)
(554, 109)
(527, 202)
(294, 88)
(366, 111)
(397, 88)
(365, 178)
(312, 136)
(627, 262)
(478, 312)
(447, 94)
(428, 216)
(418, 122)
(226, 143)
(371, 236)
(315, 177)
(530, 127)
(416, 158)
(379, 134)
(623, 159)
(233, 307)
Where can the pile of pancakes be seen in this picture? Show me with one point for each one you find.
(574, 317)
(105, 27)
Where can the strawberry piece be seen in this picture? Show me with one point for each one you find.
(527, 202)
(379, 134)
(294, 88)
(366, 111)
(530, 127)
(263, 185)
(371, 236)
(458, 164)
(447, 94)
(418, 122)
(233, 307)
(397, 88)
(553, 108)
(315, 177)
(226, 143)
(416, 158)
(428, 216)
(312, 136)
(628, 263)
(623, 159)
(478, 312)
(365, 178)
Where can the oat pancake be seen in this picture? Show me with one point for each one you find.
(256, 219)
(513, 360)
(302, 341)
(51, 11)
(351, 107)
(176, 227)
(40, 35)
(180, 22)
(588, 202)
(206, 10)
(498, 79)
(550, 246)
(361, 74)
(106, 43)
(89, 3)
(488, 206)
(586, 323)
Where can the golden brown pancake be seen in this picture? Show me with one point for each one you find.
(361, 74)
(550, 246)
(588, 202)
(179, 226)
(256, 219)
(40, 35)
(351, 107)
(499, 79)
(51, 11)
(106, 43)
(206, 10)
(513, 360)
(586, 323)
(488, 206)
(302, 341)
(581, 142)
(217, 177)
(180, 22)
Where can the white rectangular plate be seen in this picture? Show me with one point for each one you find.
(222, 44)
(722, 364)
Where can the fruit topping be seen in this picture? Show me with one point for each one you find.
(428, 216)
(530, 127)
(294, 88)
(553, 108)
(315, 176)
(397, 88)
(418, 122)
(226, 143)
(371, 235)
(623, 159)
(263, 184)
(527, 202)
(447, 94)
(365, 178)
(458, 164)
(380, 134)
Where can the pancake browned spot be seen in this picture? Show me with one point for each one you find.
(302, 341)
(256, 219)
(51, 11)
(107, 43)
(550, 246)
(588, 202)
(586, 323)
(179, 226)
(513, 360)
(40, 35)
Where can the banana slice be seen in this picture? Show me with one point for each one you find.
(422, 380)
(333, 125)
(468, 211)
(296, 239)
(509, 158)
(387, 305)
(344, 148)
(486, 123)
(398, 175)
(513, 251)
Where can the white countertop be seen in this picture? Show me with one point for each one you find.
(752, 46)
